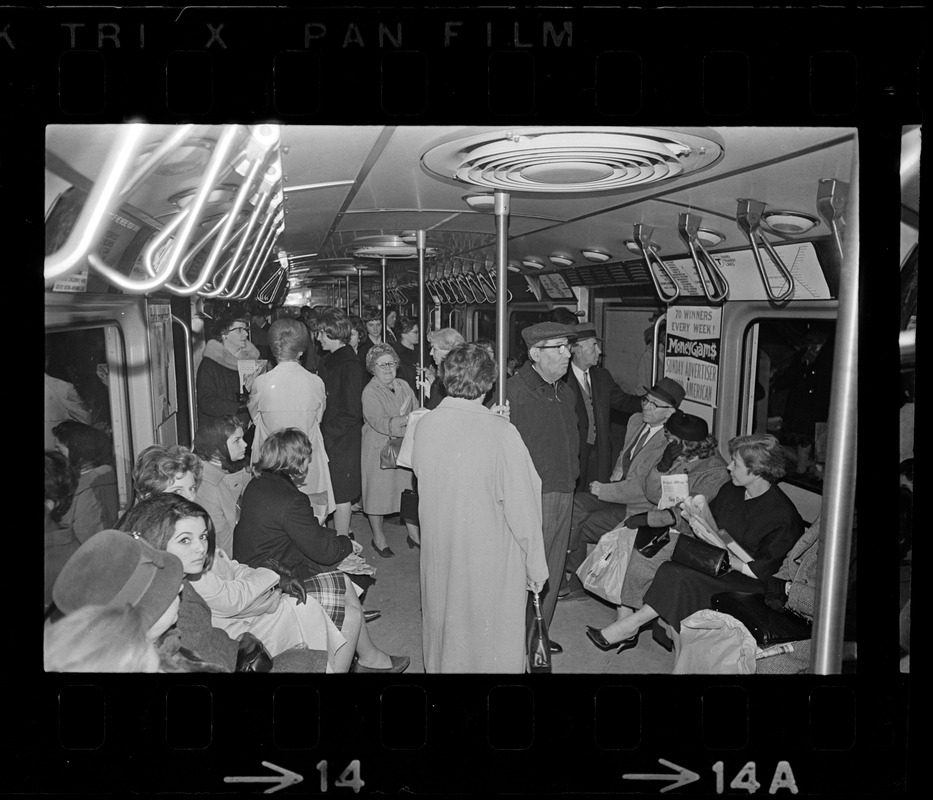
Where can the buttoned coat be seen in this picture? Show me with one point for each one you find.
(385, 413)
(607, 395)
(631, 490)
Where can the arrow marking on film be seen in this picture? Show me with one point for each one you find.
(285, 778)
(681, 778)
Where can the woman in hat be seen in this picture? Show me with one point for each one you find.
(241, 599)
(442, 342)
(751, 509)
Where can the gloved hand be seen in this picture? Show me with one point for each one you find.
(669, 456)
(776, 600)
(636, 521)
(251, 655)
(293, 588)
(276, 566)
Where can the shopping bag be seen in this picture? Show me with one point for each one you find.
(712, 643)
(539, 645)
(408, 440)
(603, 570)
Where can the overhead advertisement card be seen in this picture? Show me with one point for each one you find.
(691, 353)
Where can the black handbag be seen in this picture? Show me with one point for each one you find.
(769, 627)
(539, 644)
(408, 507)
(388, 456)
(649, 539)
(701, 556)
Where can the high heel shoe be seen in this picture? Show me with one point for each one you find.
(412, 544)
(597, 638)
(385, 552)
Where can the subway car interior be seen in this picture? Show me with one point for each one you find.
(725, 259)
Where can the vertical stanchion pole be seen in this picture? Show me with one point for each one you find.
(502, 260)
(348, 295)
(421, 242)
(385, 335)
(359, 278)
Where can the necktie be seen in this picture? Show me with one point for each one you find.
(586, 383)
(641, 442)
(628, 455)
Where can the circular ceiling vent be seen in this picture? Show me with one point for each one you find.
(389, 246)
(573, 159)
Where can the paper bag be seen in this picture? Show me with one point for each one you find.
(712, 643)
(408, 440)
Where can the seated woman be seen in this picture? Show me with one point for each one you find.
(60, 543)
(278, 528)
(753, 511)
(289, 396)
(387, 402)
(442, 342)
(113, 572)
(161, 468)
(691, 451)
(96, 503)
(220, 446)
(241, 599)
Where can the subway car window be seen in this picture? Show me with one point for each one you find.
(792, 382)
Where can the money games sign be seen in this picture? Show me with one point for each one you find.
(691, 353)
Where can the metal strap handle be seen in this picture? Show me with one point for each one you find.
(271, 287)
(712, 281)
(508, 292)
(488, 287)
(831, 197)
(748, 218)
(643, 240)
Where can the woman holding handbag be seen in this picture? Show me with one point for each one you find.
(751, 512)
(387, 402)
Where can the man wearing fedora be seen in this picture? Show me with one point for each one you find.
(607, 504)
(597, 393)
(543, 409)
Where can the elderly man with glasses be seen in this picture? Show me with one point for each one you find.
(218, 379)
(605, 505)
(543, 409)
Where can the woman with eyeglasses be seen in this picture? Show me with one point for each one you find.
(387, 402)
(218, 378)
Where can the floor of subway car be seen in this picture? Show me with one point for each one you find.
(397, 593)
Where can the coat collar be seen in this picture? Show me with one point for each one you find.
(215, 351)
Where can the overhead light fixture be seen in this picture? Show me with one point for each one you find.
(561, 260)
(389, 246)
(599, 256)
(221, 194)
(710, 238)
(789, 223)
(632, 246)
(480, 202)
(533, 262)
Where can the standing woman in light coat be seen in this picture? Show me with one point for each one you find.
(387, 402)
(289, 396)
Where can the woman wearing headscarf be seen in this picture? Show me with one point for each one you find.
(289, 396)
(480, 512)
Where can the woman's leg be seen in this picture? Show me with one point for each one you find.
(379, 537)
(414, 532)
(342, 515)
(370, 655)
(352, 623)
(627, 627)
(622, 612)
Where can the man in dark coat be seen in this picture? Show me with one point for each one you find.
(596, 392)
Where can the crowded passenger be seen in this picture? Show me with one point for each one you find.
(409, 335)
(387, 403)
(607, 504)
(61, 480)
(372, 318)
(753, 511)
(274, 608)
(220, 446)
(218, 380)
(289, 396)
(277, 528)
(442, 342)
(62, 401)
(358, 334)
(161, 468)
(96, 503)
(543, 410)
(391, 322)
(481, 512)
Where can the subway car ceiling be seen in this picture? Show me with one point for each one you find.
(265, 211)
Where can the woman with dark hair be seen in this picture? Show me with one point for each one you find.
(372, 319)
(291, 397)
(387, 402)
(60, 542)
(480, 510)
(358, 335)
(341, 425)
(442, 342)
(407, 349)
(218, 378)
(277, 528)
(753, 511)
(96, 502)
(220, 447)
(391, 321)
(274, 609)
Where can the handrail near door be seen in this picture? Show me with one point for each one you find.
(189, 370)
